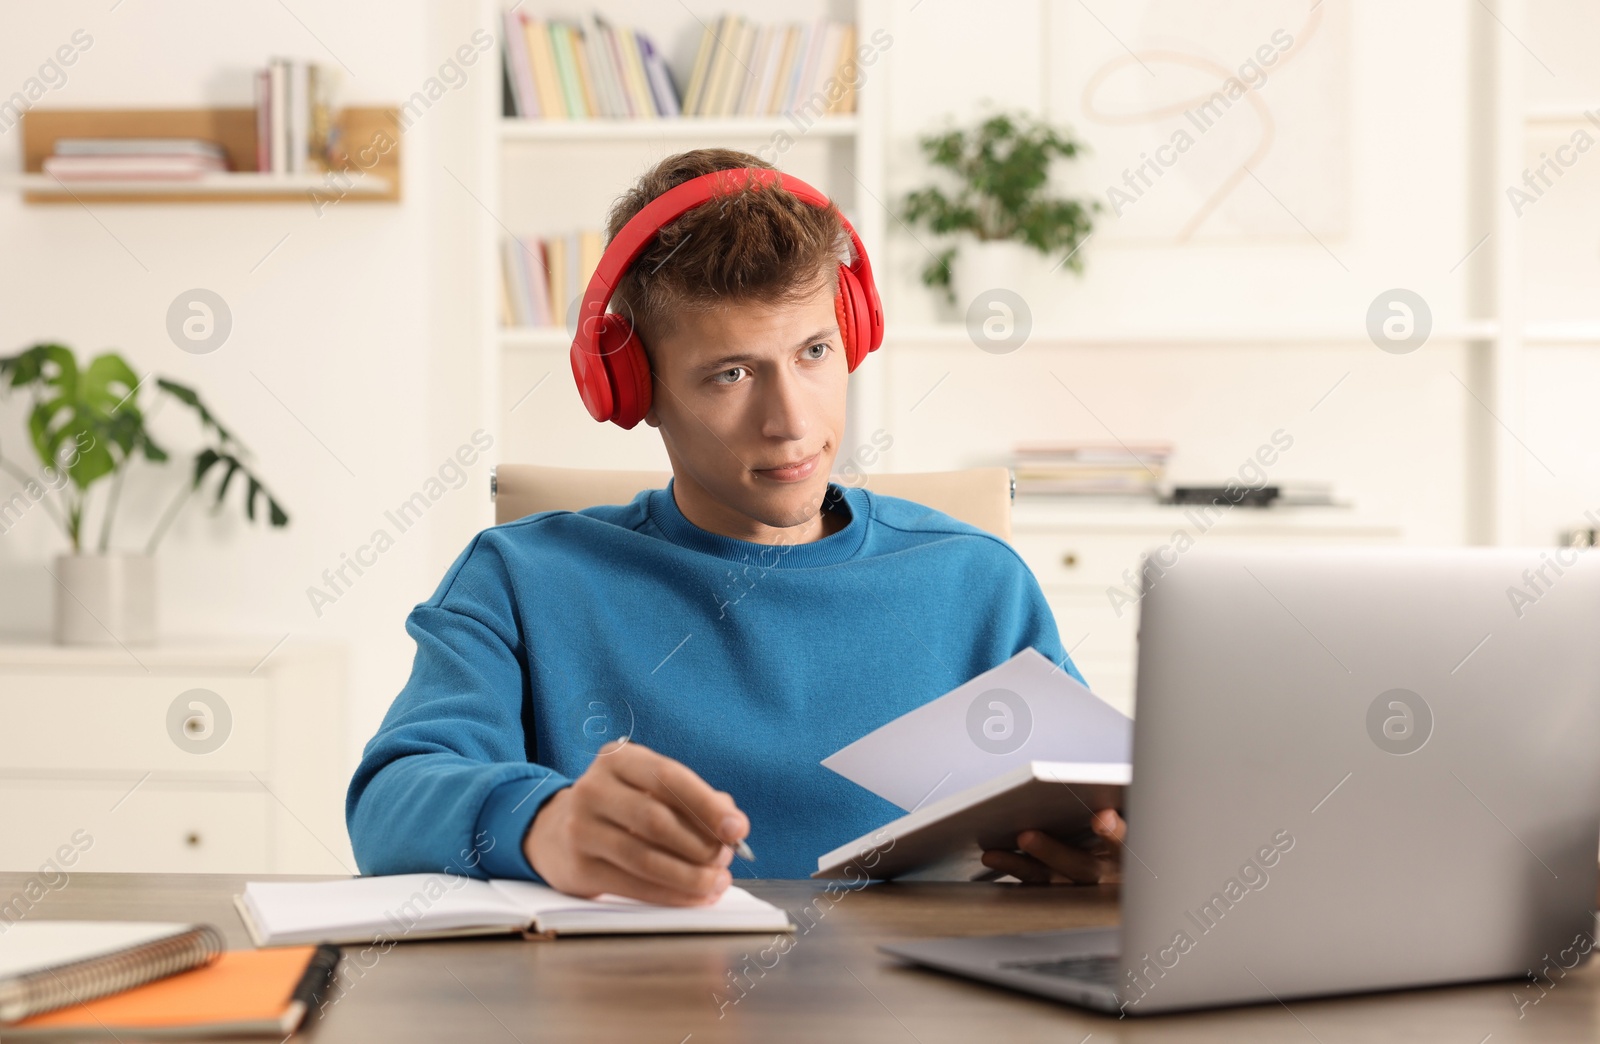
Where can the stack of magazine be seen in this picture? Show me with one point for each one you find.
(1097, 469)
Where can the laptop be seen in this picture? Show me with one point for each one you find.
(1353, 770)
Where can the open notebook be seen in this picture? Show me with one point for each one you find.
(430, 906)
(945, 839)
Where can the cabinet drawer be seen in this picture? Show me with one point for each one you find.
(156, 828)
(1087, 560)
(138, 723)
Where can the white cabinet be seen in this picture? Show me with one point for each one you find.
(1085, 554)
(206, 756)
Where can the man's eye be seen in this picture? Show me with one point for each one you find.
(724, 373)
(820, 344)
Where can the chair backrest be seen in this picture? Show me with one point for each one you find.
(978, 496)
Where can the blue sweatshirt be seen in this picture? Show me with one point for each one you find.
(750, 663)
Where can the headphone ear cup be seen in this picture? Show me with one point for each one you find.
(594, 383)
(626, 368)
(850, 307)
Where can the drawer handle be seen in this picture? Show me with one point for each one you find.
(193, 839)
(1070, 560)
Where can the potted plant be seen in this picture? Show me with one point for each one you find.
(1001, 198)
(87, 425)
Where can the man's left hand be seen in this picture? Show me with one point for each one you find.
(1044, 859)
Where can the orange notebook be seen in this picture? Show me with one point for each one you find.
(242, 992)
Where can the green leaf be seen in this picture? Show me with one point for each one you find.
(222, 488)
(190, 398)
(108, 383)
(89, 422)
(1001, 169)
(203, 462)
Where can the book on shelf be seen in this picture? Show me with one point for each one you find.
(131, 168)
(92, 159)
(598, 69)
(294, 116)
(139, 147)
(562, 69)
(541, 277)
(1090, 468)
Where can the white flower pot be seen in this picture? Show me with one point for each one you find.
(105, 599)
(1002, 264)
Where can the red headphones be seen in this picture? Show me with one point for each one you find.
(608, 360)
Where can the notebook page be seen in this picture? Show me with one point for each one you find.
(395, 904)
(28, 946)
(536, 900)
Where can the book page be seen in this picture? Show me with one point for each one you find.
(536, 899)
(396, 904)
(1026, 709)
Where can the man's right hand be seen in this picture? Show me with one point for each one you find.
(638, 824)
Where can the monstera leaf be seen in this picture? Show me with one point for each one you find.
(88, 423)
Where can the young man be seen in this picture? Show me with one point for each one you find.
(735, 627)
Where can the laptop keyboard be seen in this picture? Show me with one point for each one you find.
(1103, 971)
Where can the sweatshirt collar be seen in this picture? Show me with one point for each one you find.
(836, 547)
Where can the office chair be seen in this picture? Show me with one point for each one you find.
(979, 496)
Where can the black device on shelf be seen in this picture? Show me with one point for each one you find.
(1232, 495)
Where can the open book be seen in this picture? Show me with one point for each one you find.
(946, 839)
(1021, 746)
(431, 906)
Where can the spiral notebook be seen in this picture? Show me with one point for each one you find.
(45, 965)
(243, 993)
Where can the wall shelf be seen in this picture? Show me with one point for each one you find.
(221, 187)
(943, 334)
(1558, 115)
(684, 128)
(371, 170)
(1556, 332)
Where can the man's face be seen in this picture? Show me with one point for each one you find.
(740, 391)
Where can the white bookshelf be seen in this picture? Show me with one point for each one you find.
(1521, 125)
(543, 177)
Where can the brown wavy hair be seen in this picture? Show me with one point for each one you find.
(759, 244)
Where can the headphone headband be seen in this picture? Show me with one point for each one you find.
(641, 229)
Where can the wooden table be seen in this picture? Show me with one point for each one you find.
(831, 985)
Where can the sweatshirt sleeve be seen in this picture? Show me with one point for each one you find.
(446, 784)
